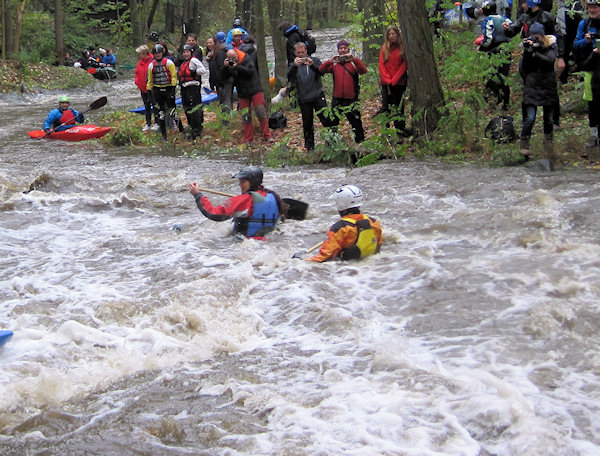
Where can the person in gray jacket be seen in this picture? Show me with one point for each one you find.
(304, 71)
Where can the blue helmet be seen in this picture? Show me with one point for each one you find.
(532, 3)
(220, 37)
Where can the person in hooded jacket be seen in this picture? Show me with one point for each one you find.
(539, 84)
(292, 34)
(493, 39)
(237, 25)
(255, 211)
(586, 49)
(242, 68)
(222, 81)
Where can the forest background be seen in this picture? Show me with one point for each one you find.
(447, 109)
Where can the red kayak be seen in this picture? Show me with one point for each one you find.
(77, 133)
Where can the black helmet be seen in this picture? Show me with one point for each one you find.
(187, 47)
(158, 49)
(489, 7)
(253, 174)
(237, 22)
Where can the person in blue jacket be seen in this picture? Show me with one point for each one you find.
(586, 49)
(109, 59)
(237, 24)
(62, 115)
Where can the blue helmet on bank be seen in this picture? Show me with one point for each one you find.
(532, 3)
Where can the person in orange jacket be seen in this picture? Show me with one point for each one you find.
(393, 78)
(356, 235)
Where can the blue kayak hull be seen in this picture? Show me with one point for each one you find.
(5, 337)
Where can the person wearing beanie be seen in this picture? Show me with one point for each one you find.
(539, 85)
(345, 69)
(533, 12)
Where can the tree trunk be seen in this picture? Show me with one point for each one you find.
(371, 24)
(3, 43)
(137, 34)
(19, 9)
(423, 79)
(169, 17)
(274, 8)
(59, 35)
(261, 48)
(246, 17)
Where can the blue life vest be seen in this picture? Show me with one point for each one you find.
(264, 215)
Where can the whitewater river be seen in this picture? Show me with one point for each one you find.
(475, 331)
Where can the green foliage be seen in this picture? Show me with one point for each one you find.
(126, 129)
(38, 40)
(282, 155)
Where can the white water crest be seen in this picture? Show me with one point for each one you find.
(475, 331)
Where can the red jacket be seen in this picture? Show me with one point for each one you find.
(343, 77)
(392, 72)
(141, 73)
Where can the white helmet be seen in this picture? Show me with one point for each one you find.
(346, 197)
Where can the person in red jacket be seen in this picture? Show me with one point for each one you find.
(141, 76)
(345, 69)
(392, 77)
(255, 211)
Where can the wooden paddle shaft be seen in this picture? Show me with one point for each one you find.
(315, 247)
(208, 190)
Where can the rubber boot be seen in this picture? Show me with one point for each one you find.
(549, 146)
(524, 147)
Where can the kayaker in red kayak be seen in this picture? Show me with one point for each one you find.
(62, 115)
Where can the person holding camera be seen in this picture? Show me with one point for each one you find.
(587, 53)
(306, 76)
(345, 69)
(539, 85)
(250, 93)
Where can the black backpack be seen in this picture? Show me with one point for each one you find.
(501, 129)
(311, 44)
(277, 121)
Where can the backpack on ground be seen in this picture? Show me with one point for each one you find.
(277, 121)
(501, 129)
(311, 44)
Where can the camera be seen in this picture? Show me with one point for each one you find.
(231, 62)
(534, 42)
(343, 58)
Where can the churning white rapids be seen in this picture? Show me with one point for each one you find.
(475, 331)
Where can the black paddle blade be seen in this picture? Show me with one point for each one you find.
(296, 209)
(298, 255)
(98, 103)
